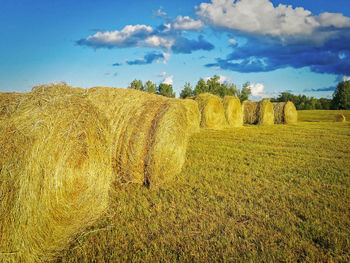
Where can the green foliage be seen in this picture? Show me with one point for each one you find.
(187, 91)
(136, 84)
(213, 86)
(341, 96)
(303, 102)
(244, 92)
(325, 103)
(166, 90)
(150, 87)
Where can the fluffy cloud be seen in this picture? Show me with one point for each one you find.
(169, 80)
(187, 23)
(258, 90)
(145, 36)
(162, 74)
(150, 58)
(260, 17)
(346, 78)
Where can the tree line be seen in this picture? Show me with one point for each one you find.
(340, 100)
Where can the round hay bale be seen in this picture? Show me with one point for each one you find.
(193, 115)
(149, 134)
(55, 175)
(266, 114)
(212, 111)
(56, 89)
(233, 111)
(250, 110)
(339, 118)
(285, 113)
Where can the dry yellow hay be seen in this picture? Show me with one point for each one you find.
(260, 113)
(193, 115)
(212, 111)
(54, 174)
(233, 111)
(8, 103)
(285, 113)
(339, 118)
(250, 109)
(149, 133)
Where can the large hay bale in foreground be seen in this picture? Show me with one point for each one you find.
(193, 115)
(339, 118)
(260, 113)
(55, 175)
(149, 133)
(8, 103)
(212, 111)
(285, 113)
(233, 111)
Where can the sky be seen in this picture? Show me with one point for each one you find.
(302, 47)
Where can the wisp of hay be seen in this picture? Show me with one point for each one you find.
(212, 111)
(8, 103)
(55, 174)
(339, 118)
(260, 113)
(233, 111)
(149, 134)
(285, 113)
(193, 115)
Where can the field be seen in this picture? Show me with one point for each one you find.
(261, 194)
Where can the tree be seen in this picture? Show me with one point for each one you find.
(150, 87)
(341, 96)
(166, 90)
(325, 103)
(136, 84)
(187, 91)
(244, 92)
(201, 87)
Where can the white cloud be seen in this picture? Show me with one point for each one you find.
(260, 17)
(162, 74)
(258, 90)
(169, 80)
(187, 23)
(232, 41)
(160, 13)
(157, 41)
(130, 33)
(346, 78)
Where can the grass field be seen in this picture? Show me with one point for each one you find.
(261, 194)
(321, 115)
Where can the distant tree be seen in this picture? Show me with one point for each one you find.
(150, 87)
(187, 91)
(244, 92)
(136, 84)
(166, 90)
(341, 96)
(201, 87)
(325, 103)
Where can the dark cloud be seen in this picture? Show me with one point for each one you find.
(184, 45)
(117, 64)
(260, 55)
(147, 59)
(320, 90)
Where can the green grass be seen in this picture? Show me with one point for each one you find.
(321, 115)
(260, 194)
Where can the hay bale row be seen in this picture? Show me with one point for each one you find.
(61, 149)
(285, 113)
(54, 174)
(260, 113)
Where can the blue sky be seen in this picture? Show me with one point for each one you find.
(291, 45)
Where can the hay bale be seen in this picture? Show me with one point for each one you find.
(260, 113)
(233, 111)
(212, 111)
(250, 110)
(285, 113)
(8, 103)
(149, 134)
(266, 114)
(339, 118)
(54, 175)
(193, 115)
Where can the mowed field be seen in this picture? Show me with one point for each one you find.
(278, 193)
